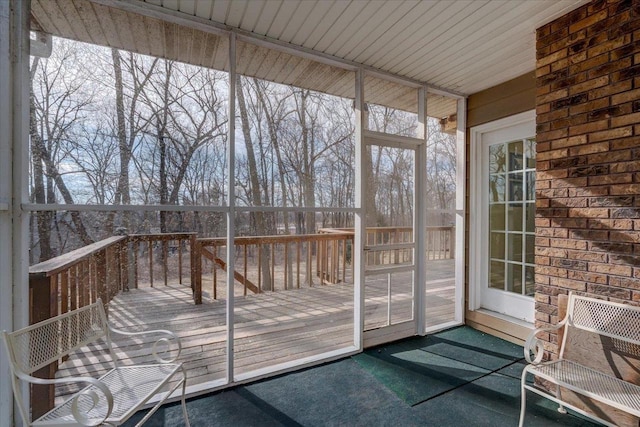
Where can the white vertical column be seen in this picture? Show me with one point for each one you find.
(231, 201)
(360, 214)
(14, 122)
(460, 207)
(420, 214)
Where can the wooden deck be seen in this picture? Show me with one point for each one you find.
(270, 328)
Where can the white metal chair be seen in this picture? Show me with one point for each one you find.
(111, 399)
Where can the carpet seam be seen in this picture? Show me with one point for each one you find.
(466, 383)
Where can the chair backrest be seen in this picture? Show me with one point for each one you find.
(614, 320)
(45, 342)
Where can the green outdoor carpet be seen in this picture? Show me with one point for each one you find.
(420, 368)
(459, 377)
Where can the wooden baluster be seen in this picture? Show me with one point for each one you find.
(100, 260)
(73, 280)
(150, 243)
(86, 283)
(195, 265)
(64, 291)
(309, 261)
(298, 264)
(136, 252)
(165, 259)
(286, 264)
(123, 251)
(259, 267)
(215, 275)
(273, 267)
(179, 261)
(245, 270)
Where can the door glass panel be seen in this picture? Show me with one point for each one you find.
(512, 230)
(496, 275)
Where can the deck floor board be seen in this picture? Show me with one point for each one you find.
(270, 328)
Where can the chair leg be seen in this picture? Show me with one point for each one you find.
(558, 396)
(184, 403)
(523, 401)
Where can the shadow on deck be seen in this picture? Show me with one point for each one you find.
(270, 328)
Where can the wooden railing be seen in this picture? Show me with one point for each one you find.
(171, 251)
(269, 263)
(101, 270)
(294, 260)
(71, 281)
(105, 268)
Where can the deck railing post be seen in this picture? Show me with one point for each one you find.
(196, 269)
(43, 292)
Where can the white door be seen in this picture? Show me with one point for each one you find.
(390, 268)
(503, 217)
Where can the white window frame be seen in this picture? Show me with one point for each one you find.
(478, 270)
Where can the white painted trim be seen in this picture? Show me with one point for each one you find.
(420, 215)
(360, 215)
(231, 197)
(476, 244)
(295, 364)
(389, 140)
(390, 333)
(461, 191)
(6, 191)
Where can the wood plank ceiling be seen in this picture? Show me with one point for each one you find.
(459, 45)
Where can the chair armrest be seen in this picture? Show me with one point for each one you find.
(534, 345)
(164, 343)
(80, 416)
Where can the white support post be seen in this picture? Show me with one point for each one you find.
(14, 122)
(360, 214)
(231, 200)
(420, 214)
(460, 208)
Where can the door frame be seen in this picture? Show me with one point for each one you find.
(478, 249)
(410, 327)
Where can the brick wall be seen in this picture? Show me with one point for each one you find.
(588, 144)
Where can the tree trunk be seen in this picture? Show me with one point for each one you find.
(260, 223)
(43, 219)
(122, 194)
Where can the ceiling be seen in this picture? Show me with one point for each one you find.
(462, 46)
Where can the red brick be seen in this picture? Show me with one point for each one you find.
(620, 178)
(626, 236)
(589, 20)
(624, 189)
(589, 85)
(582, 150)
(587, 256)
(617, 270)
(589, 127)
(629, 119)
(606, 47)
(589, 106)
(558, 94)
(610, 89)
(551, 58)
(569, 142)
(625, 97)
(588, 277)
(589, 212)
(611, 156)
